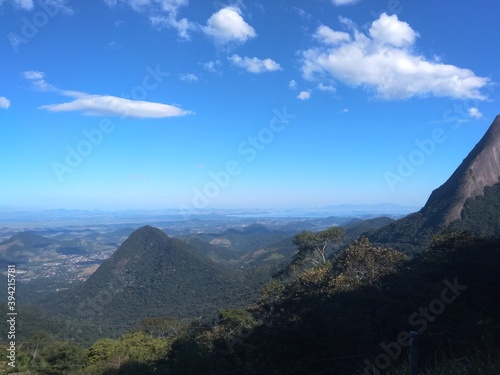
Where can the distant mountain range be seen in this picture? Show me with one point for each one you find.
(32, 219)
(468, 200)
(28, 246)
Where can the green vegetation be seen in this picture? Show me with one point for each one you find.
(480, 214)
(335, 316)
(310, 244)
(151, 274)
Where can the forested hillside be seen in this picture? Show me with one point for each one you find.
(349, 315)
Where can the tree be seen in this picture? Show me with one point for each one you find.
(362, 263)
(165, 326)
(309, 243)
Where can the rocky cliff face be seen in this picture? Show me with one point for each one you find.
(479, 169)
(445, 206)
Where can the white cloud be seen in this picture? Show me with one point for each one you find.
(54, 5)
(23, 4)
(327, 88)
(33, 74)
(103, 105)
(106, 105)
(292, 84)
(255, 65)
(227, 25)
(161, 13)
(4, 102)
(344, 2)
(384, 61)
(183, 26)
(211, 66)
(189, 77)
(304, 95)
(302, 13)
(328, 36)
(474, 113)
(389, 30)
(37, 79)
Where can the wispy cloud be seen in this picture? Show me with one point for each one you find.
(189, 77)
(344, 2)
(22, 4)
(4, 102)
(38, 80)
(227, 26)
(292, 84)
(103, 105)
(255, 65)
(212, 66)
(325, 88)
(161, 14)
(183, 26)
(384, 60)
(55, 5)
(106, 105)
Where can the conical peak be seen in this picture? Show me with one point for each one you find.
(479, 169)
(148, 230)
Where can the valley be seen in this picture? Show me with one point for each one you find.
(224, 293)
(58, 256)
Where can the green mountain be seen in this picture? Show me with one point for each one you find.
(468, 200)
(152, 274)
(233, 243)
(27, 246)
(358, 227)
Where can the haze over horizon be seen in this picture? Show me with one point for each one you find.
(176, 104)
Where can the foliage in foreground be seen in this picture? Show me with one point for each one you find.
(336, 317)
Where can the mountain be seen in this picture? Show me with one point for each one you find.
(233, 242)
(474, 184)
(26, 246)
(152, 274)
(358, 227)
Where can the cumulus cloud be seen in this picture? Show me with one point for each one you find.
(106, 105)
(103, 105)
(292, 84)
(328, 36)
(474, 113)
(227, 25)
(383, 60)
(4, 102)
(255, 65)
(304, 95)
(161, 13)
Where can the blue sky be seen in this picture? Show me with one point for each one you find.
(152, 104)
